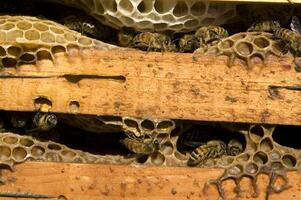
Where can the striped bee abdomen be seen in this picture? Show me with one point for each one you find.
(212, 149)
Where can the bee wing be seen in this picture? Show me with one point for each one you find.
(296, 25)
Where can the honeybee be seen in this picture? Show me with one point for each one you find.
(18, 120)
(142, 147)
(234, 147)
(44, 121)
(208, 34)
(212, 149)
(291, 38)
(87, 25)
(264, 26)
(126, 36)
(153, 42)
(188, 43)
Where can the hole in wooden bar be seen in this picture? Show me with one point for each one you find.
(42, 103)
(74, 106)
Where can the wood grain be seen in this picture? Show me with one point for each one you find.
(84, 181)
(158, 85)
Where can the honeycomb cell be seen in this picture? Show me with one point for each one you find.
(70, 37)
(37, 151)
(5, 152)
(19, 154)
(90, 159)
(266, 145)
(10, 140)
(32, 35)
(166, 124)
(198, 8)
(260, 158)
(9, 62)
(275, 155)
(68, 153)
(244, 48)
(243, 157)
(56, 30)
(226, 161)
(7, 26)
(289, 161)
(58, 49)
(180, 156)
(109, 5)
(40, 27)
(54, 147)
(167, 148)
(191, 23)
(157, 159)
(47, 37)
(251, 168)
(14, 51)
(235, 170)
(28, 57)
(145, 6)
(2, 51)
(24, 25)
(131, 123)
(181, 9)
(14, 35)
(277, 166)
(26, 142)
(256, 133)
(162, 6)
(226, 44)
(53, 157)
(78, 160)
(147, 125)
(2, 36)
(126, 5)
(261, 42)
(44, 55)
(85, 41)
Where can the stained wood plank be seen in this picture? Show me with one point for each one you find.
(141, 84)
(85, 181)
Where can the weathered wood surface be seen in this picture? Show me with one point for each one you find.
(83, 181)
(160, 85)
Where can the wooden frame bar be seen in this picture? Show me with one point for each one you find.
(84, 181)
(161, 85)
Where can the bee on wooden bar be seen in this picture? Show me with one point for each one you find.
(44, 121)
(126, 36)
(264, 26)
(291, 38)
(188, 43)
(212, 149)
(234, 147)
(208, 34)
(142, 147)
(153, 42)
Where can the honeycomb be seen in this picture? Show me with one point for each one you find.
(16, 149)
(27, 40)
(156, 15)
(261, 156)
(247, 47)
